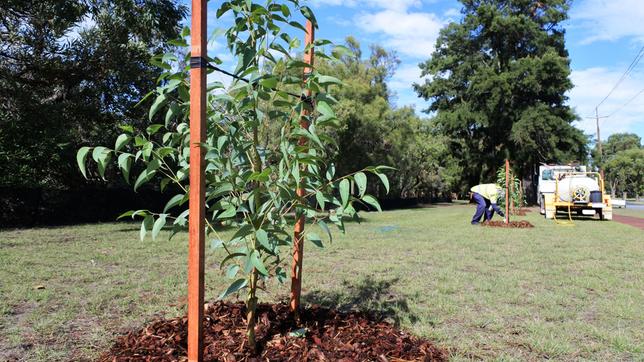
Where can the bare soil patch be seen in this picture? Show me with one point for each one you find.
(327, 335)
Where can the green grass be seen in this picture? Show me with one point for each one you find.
(552, 292)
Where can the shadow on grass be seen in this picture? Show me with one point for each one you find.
(373, 297)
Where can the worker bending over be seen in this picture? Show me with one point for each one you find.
(485, 196)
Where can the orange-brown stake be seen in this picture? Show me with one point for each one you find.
(507, 191)
(298, 241)
(196, 227)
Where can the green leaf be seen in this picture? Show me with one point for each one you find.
(326, 229)
(315, 239)
(262, 238)
(101, 155)
(232, 271)
(344, 191)
(257, 263)
(147, 174)
(330, 172)
(146, 224)
(324, 108)
(385, 180)
(372, 201)
(260, 176)
(158, 225)
(228, 213)
(269, 83)
(125, 214)
(233, 288)
(174, 201)
(159, 102)
(121, 140)
(361, 180)
(320, 199)
(173, 112)
(241, 233)
(153, 128)
(125, 163)
(81, 157)
(308, 13)
(326, 79)
(127, 128)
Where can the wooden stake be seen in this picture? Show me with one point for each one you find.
(196, 227)
(298, 241)
(507, 193)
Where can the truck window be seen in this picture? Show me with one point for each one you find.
(548, 175)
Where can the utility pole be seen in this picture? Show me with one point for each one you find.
(599, 138)
(599, 143)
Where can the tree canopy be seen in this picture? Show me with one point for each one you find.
(375, 132)
(498, 83)
(71, 72)
(623, 163)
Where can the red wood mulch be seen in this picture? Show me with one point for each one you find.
(330, 336)
(512, 224)
(629, 220)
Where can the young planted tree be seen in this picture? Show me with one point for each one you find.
(517, 199)
(249, 187)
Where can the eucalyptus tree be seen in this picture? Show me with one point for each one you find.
(248, 186)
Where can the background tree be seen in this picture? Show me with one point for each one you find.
(71, 72)
(373, 131)
(622, 163)
(498, 80)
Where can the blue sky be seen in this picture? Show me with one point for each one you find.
(603, 37)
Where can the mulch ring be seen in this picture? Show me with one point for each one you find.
(512, 224)
(329, 336)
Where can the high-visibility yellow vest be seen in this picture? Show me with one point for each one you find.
(489, 191)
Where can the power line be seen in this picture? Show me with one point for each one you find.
(626, 73)
(625, 104)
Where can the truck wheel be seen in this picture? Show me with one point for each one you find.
(601, 214)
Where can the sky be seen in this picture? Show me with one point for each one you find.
(602, 36)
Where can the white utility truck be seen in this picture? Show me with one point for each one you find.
(572, 189)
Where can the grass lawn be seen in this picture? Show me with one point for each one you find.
(552, 292)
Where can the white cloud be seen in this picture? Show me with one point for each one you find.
(383, 4)
(592, 85)
(610, 19)
(401, 84)
(404, 77)
(398, 23)
(410, 33)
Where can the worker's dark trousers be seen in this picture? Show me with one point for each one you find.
(482, 208)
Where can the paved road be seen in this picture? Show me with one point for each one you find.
(630, 205)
